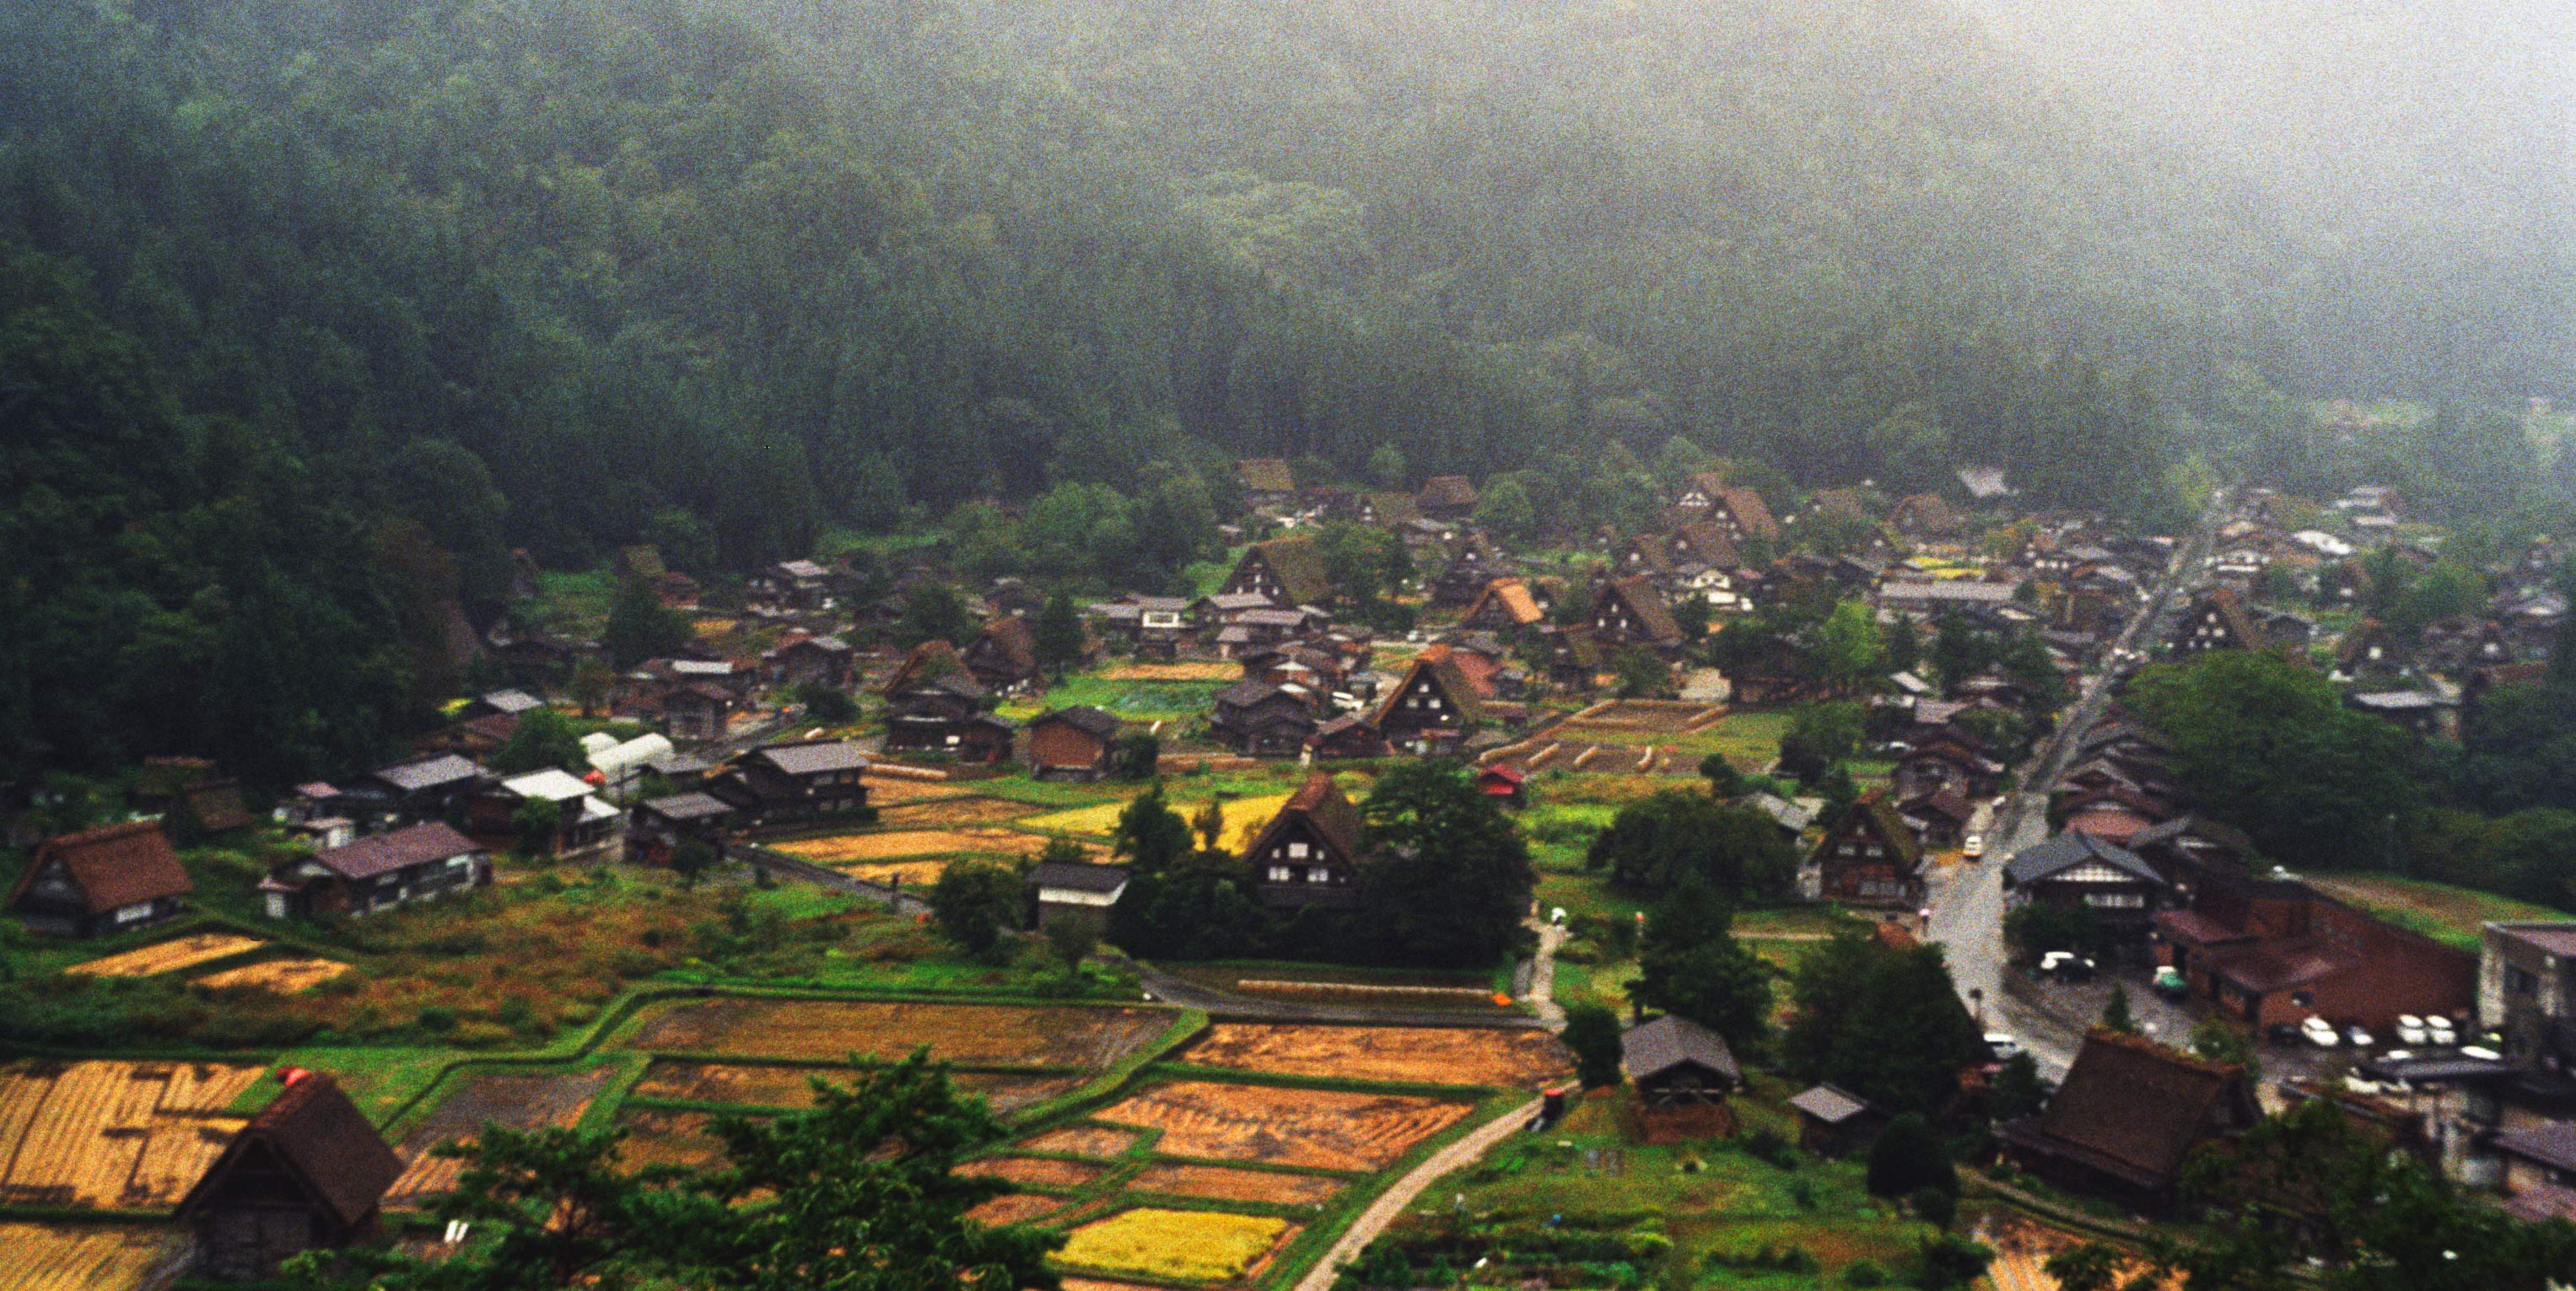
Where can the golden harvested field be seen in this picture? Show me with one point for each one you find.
(1192, 1245)
(1428, 1055)
(89, 1257)
(1014, 1208)
(1082, 1141)
(1316, 1128)
(1173, 672)
(1244, 817)
(1226, 1183)
(830, 1030)
(113, 1133)
(1035, 1172)
(520, 1101)
(862, 849)
(168, 956)
(941, 813)
(280, 976)
(1097, 1284)
(886, 790)
(760, 1085)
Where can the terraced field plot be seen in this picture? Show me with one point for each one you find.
(1315, 1128)
(884, 790)
(88, 1257)
(1015, 1208)
(278, 976)
(1035, 1172)
(1225, 1183)
(760, 1085)
(1192, 1245)
(1244, 817)
(1082, 1141)
(168, 956)
(1172, 672)
(520, 1101)
(1520, 1059)
(827, 1030)
(657, 1137)
(935, 813)
(113, 1133)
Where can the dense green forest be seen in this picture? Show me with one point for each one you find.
(315, 310)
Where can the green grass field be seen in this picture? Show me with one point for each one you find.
(1749, 740)
(1135, 701)
(2447, 914)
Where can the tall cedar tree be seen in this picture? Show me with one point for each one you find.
(1592, 1034)
(1057, 634)
(1690, 965)
(1656, 842)
(1448, 877)
(975, 903)
(640, 627)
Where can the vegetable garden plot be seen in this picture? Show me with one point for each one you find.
(1225, 1183)
(1082, 1141)
(760, 1085)
(657, 1137)
(1517, 1059)
(1316, 1128)
(831, 1030)
(1192, 1245)
(113, 1133)
(168, 956)
(519, 1101)
(88, 1257)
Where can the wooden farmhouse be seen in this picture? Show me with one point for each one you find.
(1285, 572)
(1004, 656)
(1505, 604)
(405, 793)
(1071, 743)
(1309, 854)
(802, 781)
(1079, 895)
(2217, 620)
(2126, 1119)
(1432, 709)
(656, 826)
(1834, 1122)
(2077, 871)
(1737, 511)
(1629, 611)
(416, 863)
(1673, 1060)
(114, 878)
(307, 1173)
(1870, 858)
(1258, 719)
(1446, 497)
(811, 661)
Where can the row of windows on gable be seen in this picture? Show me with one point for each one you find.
(1289, 874)
(1861, 849)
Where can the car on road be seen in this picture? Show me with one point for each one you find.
(2066, 965)
(2320, 1033)
(2358, 1035)
(2169, 983)
(1973, 846)
(2002, 1046)
(2410, 1029)
(2438, 1031)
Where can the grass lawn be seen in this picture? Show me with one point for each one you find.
(1135, 701)
(2447, 914)
(379, 1081)
(1749, 740)
(1244, 817)
(574, 604)
(1714, 1201)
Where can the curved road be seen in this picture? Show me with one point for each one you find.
(1401, 1193)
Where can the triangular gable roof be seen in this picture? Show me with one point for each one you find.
(323, 1140)
(2136, 1108)
(1446, 491)
(1751, 514)
(1393, 508)
(1654, 618)
(114, 866)
(1009, 636)
(1299, 565)
(928, 661)
(2073, 850)
(1647, 553)
(1668, 1042)
(1874, 809)
(1266, 475)
(1454, 687)
(1706, 542)
(1512, 596)
(1319, 803)
(1082, 717)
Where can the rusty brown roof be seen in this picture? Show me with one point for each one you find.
(113, 866)
(2137, 1107)
(323, 1140)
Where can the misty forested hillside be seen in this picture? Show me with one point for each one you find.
(314, 310)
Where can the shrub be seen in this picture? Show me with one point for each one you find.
(1767, 1145)
(1908, 1156)
(1864, 1273)
(1936, 1207)
(437, 1019)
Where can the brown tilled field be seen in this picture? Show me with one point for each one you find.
(113, 1133)
(1081, 1141)
(1173, 672)
(89, 1257)
(1316, 1128)
(277, 976)
(766, 1086)
(886, 790)
(168, 956)
(1225, 1183)
(655, 1137)
(825, 1030)
(1427, 1055)
(520, 1101)
(1015, 1208)
(1035, 1172)
(865, 849)
(1629, 719)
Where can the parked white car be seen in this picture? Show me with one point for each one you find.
(2320, 1033)
(2002, 1046)
(2410, 1029)
(2438, 1031)
(1973, 846)
(2359, 1035)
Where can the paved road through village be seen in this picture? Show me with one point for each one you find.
(1968, 905)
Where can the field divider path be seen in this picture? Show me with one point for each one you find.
(1400, 1194)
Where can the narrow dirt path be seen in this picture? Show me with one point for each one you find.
(1401, 1193)
(1542, 988)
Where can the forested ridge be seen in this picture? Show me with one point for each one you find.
(314, 310)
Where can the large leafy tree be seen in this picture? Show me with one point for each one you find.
(1690, 964)
(1881, 1022)
(1449, 878)
(2261, 741)
(1662, 840)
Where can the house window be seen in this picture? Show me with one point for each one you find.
(1319, 875)
(1282, 874)
(2518, 982)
